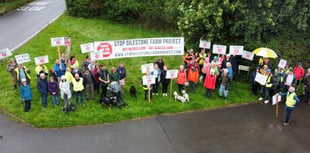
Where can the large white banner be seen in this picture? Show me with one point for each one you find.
(261, 79)
(86, 48)
(5, 53)
(204, 44)
(236, 50)
(219, 49)
(59, 41)
(171, 74)
(138, 47)
(22, 58)
(147, 67)
(248, 55)
(282, 63)
(148, 80)
(41, 60)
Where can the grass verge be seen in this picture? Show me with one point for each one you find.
(87, 30)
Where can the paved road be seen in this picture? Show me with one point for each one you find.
(243, 129)
(20, 25)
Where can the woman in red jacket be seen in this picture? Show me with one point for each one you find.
(181, 78)
(300, 72)
(210, 83)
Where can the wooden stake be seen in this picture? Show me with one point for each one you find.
(58, 48)
(149, 93)
(171, 87)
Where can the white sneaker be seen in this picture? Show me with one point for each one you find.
(163, 94)
(266, 101)
(156, 94)
(260, 98)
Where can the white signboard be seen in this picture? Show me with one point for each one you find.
(282, 63)
(140, 47)
(261, 79)
(22, 58)
(236, 50)
(148, 80)
(248, 55)
(41, 60)
(204, 44)
(67, 41)
(171, 74)
(5, 53)
(59, 41)
(219, 49)
(86, 48)
(276, 99)
(147, 67)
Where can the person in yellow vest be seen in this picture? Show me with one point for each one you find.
(41, 69)
(147, 87)
(290, 103)
(264, 92)
(78, 88)
(22, 72)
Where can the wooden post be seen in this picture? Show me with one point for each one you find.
(149, 93)
(171, 87)
(58, 49)
(277, 107)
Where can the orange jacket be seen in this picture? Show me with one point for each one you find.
(210, 81)
(181, 77)
(193, 75)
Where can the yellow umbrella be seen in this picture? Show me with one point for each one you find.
(265, 52)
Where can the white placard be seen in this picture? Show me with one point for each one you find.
(41, 60)
(5, 53)
(59, 41)
(236, 50)
(219, 49)
(86, 48)
(67, 41)
(147, 67)
(275, 100)
(22, 58)
(165, 46)
(148, 80)
(171, 74)
(204, 44)
(261, 79)
(247, 55)
(282, 63)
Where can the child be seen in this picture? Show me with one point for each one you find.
(291, 102)
(147, 88)
(26, 94)
(181, 80)
(156, 74)
(53, 90)
(225, 84)
(65, 91)
(164, 81)
(209, 83)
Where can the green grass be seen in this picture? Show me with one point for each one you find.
(87, 30)
(9, 5)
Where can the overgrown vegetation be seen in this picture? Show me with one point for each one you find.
(9, 5)
(86, 30)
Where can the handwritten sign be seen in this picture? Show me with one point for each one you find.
(41, 60)
(171, 74)
(59, 41)
(204, 44)
(247, 55)
(261, 79)
(86, 48)
(148, 80)
(147, 67)
(276, 99)
(219, 49)
(282, 63)
(22, 58)
(236, 50)
(5, 53)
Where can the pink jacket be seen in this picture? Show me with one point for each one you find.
(299, 71)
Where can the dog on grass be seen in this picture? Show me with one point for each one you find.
(109, 101)
(132, 91)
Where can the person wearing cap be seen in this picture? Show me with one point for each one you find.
(78, 88)
(26, 94)
(264, 92)
(65, 92)
(42, 86)
(53, 90)
(209, 83)
(227, 59)
(89, 81)
(22, 72)
(290, 103)
(10, 68)
(289, 80)
(299, 72)
(225, 84)
(307, 87)
(193, 74)
(41, 68)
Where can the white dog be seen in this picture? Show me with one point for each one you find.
(178, 97)
(185, 95)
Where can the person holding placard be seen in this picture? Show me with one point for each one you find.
(26, 94)
(42, 86)
(290, 103)
(11, 68)
(41, 69)
(160, 64)
(264, 92)
(181, 80)
(147, 87)
(78, 88)
(193, 75)
(22, 72)
(104, 80)
(156, 73)
(121, 70)
(164, 81)
(59, 68)
(64, 60)
(299, 72)
(307, 87)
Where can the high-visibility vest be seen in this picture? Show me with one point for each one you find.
(290, 101)
(78, 85)
(268, 82)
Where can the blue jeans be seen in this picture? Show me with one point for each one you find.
(264, 92)
(77, 95)
(44, 100)
(288, 115)
(221, 90)
(55, 99)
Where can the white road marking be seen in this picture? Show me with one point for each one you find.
(36, 6)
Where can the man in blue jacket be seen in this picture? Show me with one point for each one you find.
(42, 87)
